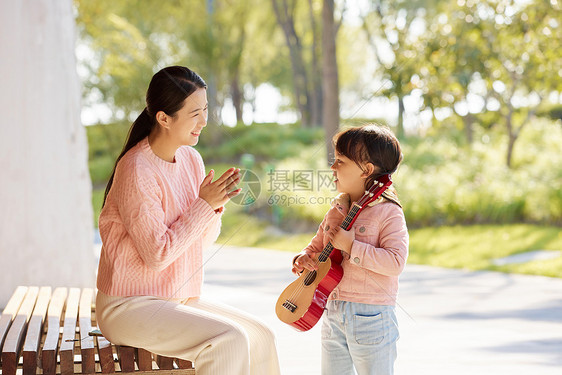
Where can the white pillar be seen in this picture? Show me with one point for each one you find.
(45, 189)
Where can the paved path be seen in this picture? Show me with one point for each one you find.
(451, 321)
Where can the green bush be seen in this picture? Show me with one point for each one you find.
(442, 180)
(101, 168)
(104, 145)
(553, 111)
(267, 142)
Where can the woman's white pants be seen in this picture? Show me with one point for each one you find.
(217, 338)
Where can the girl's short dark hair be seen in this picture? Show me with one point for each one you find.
(371, 144)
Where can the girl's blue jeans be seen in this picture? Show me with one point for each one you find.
(360, 336)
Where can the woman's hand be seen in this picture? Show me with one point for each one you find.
(219, 192)
(341, 239)
(304, 261)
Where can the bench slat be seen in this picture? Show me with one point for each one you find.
(87, 351)
(105, 353)
(69, 332)
(51, 344)
(144, 359)
(183, 364)
(10, 312)
(34, 331)
(126, 356)
(161, 372)
(165, 363)
(14, 338)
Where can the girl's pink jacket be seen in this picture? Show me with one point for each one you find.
(378, 254)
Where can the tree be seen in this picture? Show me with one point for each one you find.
(454, 57)
(330, 97)
(508, 49)
(524, 61)
(124, 51)
(307, 83)
(216, 43)
(131, 43)
(389, 26)
(317, 96)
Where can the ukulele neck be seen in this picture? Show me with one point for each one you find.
(351, 216)
(346, 225)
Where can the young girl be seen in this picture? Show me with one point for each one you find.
(159, 213)
(359, 328)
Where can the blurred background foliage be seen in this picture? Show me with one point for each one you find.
(471, 88)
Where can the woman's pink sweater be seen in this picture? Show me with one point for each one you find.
(154, 226)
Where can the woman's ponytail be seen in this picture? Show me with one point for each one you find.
(139, 130)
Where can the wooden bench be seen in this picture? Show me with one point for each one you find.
(54, 333)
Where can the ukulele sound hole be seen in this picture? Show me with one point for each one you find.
(309, 279)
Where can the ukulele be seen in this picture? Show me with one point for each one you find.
(302, 303)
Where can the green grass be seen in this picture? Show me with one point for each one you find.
(101, 168)
(465, 247)
(471, 247)
(475, 247)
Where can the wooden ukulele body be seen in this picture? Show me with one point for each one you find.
(302, 303)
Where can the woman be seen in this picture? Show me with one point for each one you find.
(160, 211)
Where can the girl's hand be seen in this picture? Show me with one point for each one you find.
(304, 261)
(219, 192)
(341, 239)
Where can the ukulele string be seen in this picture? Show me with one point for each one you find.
(307, 279)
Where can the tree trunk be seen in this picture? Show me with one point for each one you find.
(237, 98)
(215, 109)
(214, 113)
(316, 72)
(46, 226)
(468, 122)
(317, 105)
(510, 136)
(236, 91)
(510, 145)
(400, 128)
(331, 107)
(300, 78)
(513, 133)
